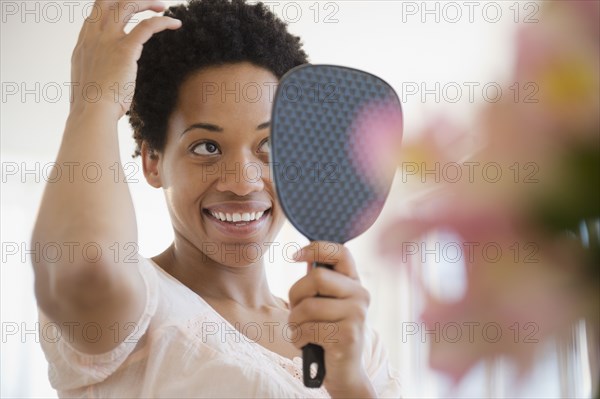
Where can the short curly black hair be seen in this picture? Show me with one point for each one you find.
(213, 32)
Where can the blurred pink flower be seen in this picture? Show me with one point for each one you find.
(546, 143)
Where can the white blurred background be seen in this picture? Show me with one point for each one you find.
(411, 45)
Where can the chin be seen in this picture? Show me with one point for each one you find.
(236, 255)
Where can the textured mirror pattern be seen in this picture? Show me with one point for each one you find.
(332, 131)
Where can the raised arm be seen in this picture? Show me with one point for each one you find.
(89, 212)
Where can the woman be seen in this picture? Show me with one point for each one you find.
(174, 325)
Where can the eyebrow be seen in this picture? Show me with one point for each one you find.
(215, 128)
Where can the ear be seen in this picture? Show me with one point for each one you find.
(150, 164)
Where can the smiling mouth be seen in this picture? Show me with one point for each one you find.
(238, 218)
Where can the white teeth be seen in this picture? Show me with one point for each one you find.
(237, 217)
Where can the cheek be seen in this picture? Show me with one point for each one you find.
(276, 212)
(178, 202)
(278, 215)
(184, 186)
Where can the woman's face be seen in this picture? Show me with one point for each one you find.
(214, 168)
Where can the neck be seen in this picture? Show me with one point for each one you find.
(243, 283)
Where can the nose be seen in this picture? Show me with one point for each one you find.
(242, 174)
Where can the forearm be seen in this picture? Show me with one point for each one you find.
(89, 202)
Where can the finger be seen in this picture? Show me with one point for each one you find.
(128, 8)
(325, 334)
(315, 333)
(99, 14)
(329, 253)
(323, 282)
(92, 20)
(319, 309)
(113, 15)
(98, 9)
(148, 27)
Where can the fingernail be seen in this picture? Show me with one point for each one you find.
(297, 255)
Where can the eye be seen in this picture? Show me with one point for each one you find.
(206, 148)
(265, 146)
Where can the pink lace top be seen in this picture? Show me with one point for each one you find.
(181, 347)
